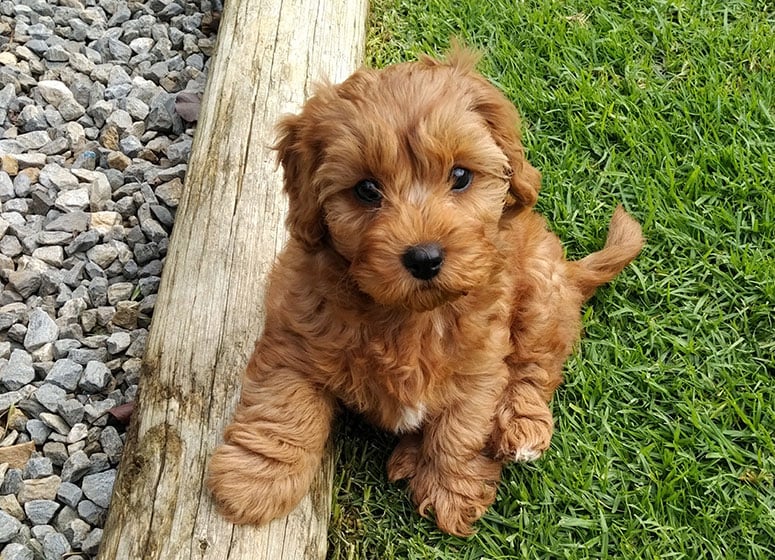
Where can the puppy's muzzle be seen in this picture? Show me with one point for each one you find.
(423, 261)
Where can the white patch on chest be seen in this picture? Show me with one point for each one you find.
(411, 418)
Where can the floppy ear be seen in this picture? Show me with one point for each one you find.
(503, 121)
(298, 156)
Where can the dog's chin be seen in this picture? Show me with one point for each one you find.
(416, 296)
(428, 297)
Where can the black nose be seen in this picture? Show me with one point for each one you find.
(423, 261)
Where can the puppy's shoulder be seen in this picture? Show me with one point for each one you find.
(523, 225)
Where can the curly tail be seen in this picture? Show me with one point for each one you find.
(624, 242)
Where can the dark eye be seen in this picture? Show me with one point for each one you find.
(461, 178)
(367, 192)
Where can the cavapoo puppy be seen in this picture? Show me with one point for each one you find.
(418, 288)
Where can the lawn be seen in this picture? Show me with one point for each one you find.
(665, 425)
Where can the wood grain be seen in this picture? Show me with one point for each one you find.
(209, 312)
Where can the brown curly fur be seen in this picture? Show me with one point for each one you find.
(463, 364)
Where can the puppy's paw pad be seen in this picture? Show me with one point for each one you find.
(526, 455)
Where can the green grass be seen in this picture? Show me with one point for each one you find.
(665, 425)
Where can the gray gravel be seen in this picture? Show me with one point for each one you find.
(92, 159)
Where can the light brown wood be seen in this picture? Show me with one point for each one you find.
(209, 311)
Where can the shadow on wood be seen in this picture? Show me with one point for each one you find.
(209, 312)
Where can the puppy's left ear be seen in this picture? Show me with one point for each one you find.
(503, 120)
(297, 154)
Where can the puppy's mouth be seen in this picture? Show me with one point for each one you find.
(417, 295)
(429, 296)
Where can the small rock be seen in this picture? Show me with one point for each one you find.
(6, 186)
(180, 151)
(71, 411)
(136, 108)
(76, 532)
(96, 377)
(76, 466)
(39, 489)
(40, 512)
(83, 242)
(104, 221)
(17, 332)
(73, 200)
(65, 373)
(52, 254)
(91, 512)
(118, 342)
(13, 481)
(32, 118)
(102, 255)
(69, 494)
(85, 355)
(16, 551)
(99, 462)
(16, 456)
(120, 291)
(55, 423)
(39, 532)
(109, 138)
(77, 433)
(54, 176)
(99, 193)
(56, 452)
(55, 546)
(126, 314)
(38, 431)
(71, 222)
(111, 443)
(24, 161)
(18, 372)
(10, 505)
(24, 282)
(38, 467)
(120, 119)
(92, 542)
(99, 487)
(54, 91)
(41, 329)
(9, 527)
(71, 110)
(49, 395)
(117, 160)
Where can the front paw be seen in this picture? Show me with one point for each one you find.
(250, 488)
(521, 438)
(457, 498)
(403, 461)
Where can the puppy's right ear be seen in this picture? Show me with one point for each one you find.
(503, 120)
(297, 155)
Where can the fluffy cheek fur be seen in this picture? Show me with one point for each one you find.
(374, 243)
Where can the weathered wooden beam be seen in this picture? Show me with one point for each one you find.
(209, 312)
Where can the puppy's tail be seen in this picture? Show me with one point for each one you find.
(624, 242)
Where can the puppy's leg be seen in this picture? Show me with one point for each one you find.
(451, 476)
(273, 447)
(523, 424)
(403, 461)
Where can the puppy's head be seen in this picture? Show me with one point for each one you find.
(406, 172)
